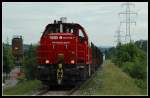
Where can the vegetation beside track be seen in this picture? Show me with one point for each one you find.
(110, 80)
(24, 88)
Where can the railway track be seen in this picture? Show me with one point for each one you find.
(65, 91)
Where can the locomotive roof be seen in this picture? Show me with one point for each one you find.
(69, 24)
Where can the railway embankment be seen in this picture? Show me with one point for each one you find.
(110, 80)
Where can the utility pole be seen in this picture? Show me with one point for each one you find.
(128, 21)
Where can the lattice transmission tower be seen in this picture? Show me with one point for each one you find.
(128, 20)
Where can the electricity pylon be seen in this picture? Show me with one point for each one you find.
(128, 21)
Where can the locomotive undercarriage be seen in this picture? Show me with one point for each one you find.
(68, 75)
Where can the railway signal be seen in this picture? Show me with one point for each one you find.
(17, 50)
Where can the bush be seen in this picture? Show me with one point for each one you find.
(128, 67)
(135, 69)
(21, 79)
(141, 83)
(133, 61)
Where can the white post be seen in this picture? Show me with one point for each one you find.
(89, 70)
(61, 27)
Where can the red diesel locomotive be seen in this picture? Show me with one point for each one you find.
(64, 55)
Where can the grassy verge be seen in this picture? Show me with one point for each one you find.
(110, 81)
(23, 88)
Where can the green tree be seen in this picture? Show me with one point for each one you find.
(30, 62)
(8, 59)
(142, 44)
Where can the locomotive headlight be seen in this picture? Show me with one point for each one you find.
(47, 61)
(60, 37)
(72, 61)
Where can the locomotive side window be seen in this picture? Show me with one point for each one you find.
(81, 33)
(51, 28)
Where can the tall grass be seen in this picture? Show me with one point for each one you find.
(23, 88)
(110, 81)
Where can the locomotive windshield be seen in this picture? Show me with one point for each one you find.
(55, 28)
(65, 28)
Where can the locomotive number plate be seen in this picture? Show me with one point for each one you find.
(53, 37)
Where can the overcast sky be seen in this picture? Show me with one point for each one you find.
(100, 19)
